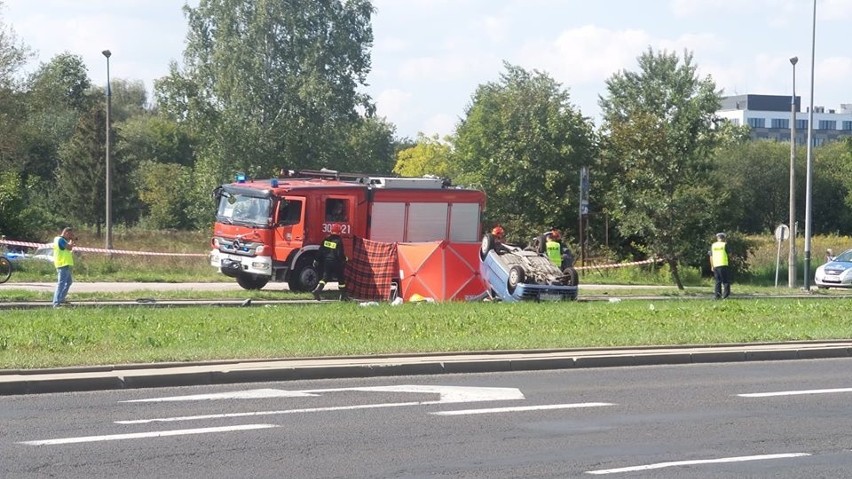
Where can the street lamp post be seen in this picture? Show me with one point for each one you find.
(791, 257)
(809, 181)
(108, 219)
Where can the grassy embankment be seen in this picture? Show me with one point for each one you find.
(87, 336)
(84, 336)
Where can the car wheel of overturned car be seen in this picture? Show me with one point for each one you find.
(570, 278)
(486, 246)
(304, 276)
(516, 277)
(251, 281)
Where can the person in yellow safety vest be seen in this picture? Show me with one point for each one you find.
(63, 260)
(719, 264)
(553, 248)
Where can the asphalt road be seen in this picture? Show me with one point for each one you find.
(778, 419)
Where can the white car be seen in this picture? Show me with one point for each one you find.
(837, 273)
(45, 253)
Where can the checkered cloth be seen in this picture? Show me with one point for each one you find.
(370, 269)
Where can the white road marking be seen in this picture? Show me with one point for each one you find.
(661, 465)
(448, 394)
(521, 408)
(795, 393)
(249, 394)
(266, 413)
(143, 435)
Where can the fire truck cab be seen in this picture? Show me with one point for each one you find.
(270, 230)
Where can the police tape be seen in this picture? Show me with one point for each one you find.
(83, 249)
(620, 265)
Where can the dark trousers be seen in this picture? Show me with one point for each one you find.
(329, 271)
(722, 289)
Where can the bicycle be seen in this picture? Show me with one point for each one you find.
(5, 269)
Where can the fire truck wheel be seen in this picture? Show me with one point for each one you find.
(516, 277)
(250, 281)
(571, 277)
(304, 276)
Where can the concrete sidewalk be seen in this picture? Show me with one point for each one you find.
(227, 372)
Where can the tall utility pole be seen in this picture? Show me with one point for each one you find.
(809, 181)
(791, 257)
(108, 219)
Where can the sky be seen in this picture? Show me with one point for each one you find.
(429, 56)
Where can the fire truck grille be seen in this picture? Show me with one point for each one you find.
(236, 246)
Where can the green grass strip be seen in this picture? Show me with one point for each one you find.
(94, 336)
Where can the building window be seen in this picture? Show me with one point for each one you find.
(801, 124)
(847, 126)
(827, 125)
(780, 123)
(757, 122)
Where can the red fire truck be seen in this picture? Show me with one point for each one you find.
(270, 230)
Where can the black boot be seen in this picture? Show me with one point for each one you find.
(318, 289)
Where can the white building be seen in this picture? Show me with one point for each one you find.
(769, 116)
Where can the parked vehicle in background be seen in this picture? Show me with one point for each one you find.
(836, 273)
(270, 230)
(515, 274)
(44, 253)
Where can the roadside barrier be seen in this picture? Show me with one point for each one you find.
(620, 265)
(30, 244)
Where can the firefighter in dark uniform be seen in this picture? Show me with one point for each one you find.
(330, 263)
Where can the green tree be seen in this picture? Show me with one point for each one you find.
(268, 84)
(13, 55)
(162, 191)
(429, 156)
(754, 177)
(81, 175)
(831, 188)
(657, 157)
(58, 94)
(12, 222)
(369, 147)
(524, 142)
(147, 137)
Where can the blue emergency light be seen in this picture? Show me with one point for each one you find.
(241, 177)
(274, 182)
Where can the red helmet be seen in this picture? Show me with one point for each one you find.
(497, 231)
(335, 228)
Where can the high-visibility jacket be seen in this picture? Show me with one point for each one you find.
(62, 256)
(554, 252)
(719, 254)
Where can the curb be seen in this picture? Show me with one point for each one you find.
(16, 382)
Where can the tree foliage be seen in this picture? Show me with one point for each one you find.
(81, 175)
(524, 142)
(429, 156)
(754, 177)
(659, 124)
(269, 83)
(163, 191)
(13, 55)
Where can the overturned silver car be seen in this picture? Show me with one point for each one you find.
(515, 274)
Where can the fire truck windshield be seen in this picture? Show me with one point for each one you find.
(235, 208)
